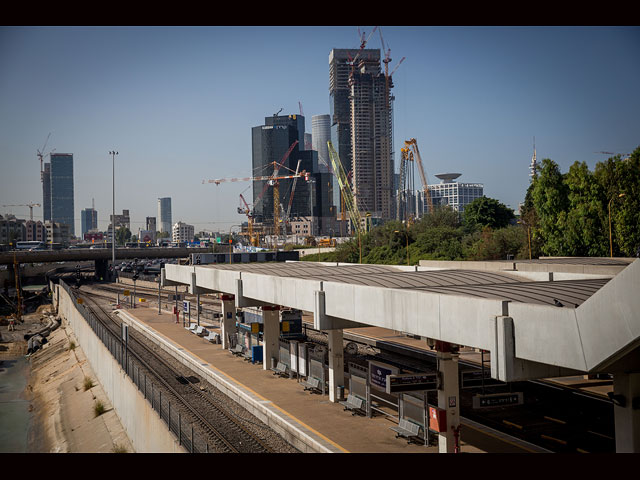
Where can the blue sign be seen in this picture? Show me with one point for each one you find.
(378, 375)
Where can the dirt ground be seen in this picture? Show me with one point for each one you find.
(62, 402)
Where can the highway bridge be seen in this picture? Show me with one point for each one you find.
(536, 319)
(101, 256)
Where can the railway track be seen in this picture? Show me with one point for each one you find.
(214, 417)
(550, 417)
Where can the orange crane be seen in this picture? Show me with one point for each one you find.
(411, 147)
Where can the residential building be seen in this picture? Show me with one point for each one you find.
(61, 180)
(58, 233)
(164, 214)
(12, 229)
(182, 233)
(35, 231)
(88, 220)
(362, 128)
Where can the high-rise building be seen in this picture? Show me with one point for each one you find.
(450, 192)
(151, 224)
(88, 220)
(362, 127)
(321, 134)
(46, 192)
(164, 214)
(61, 179)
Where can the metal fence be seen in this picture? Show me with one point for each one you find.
(188, 436)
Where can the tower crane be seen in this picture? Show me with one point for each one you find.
(249, 213)
(411, 146)
(614, 153)
(272, 180)
(30, 205)
(41, 156)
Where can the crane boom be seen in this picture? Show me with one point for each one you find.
(413, 144)
(345, 189)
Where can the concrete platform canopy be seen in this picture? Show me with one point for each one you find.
(585, 324)
(538, 319)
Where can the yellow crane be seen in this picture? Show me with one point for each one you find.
(30, 205)
(411, 148)
(345, 189)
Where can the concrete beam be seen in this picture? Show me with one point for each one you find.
(321, 321)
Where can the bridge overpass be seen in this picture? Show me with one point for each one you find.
(536, 319)
(96, 254)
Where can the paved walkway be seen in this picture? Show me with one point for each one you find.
(315, 414)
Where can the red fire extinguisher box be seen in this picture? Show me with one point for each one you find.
(437, 419)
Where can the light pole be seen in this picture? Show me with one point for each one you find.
(522, 222)
(610, 237)
(231, 241)
(113, 218)
(406, 233)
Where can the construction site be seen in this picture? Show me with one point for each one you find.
(340, 180)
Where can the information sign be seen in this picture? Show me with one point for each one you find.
(126, 293)
(497, 400)
(411, 382)
(378, 373)
(186, 306)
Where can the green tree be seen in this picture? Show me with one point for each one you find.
(618, 176)
(551, 201)
(584, 233)
(486, 212)
(123, 235)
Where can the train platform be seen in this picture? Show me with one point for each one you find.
(330, 428)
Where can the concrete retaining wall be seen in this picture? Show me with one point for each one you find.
(294, 433)
(147, 432)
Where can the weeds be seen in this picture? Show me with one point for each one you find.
(98, 408)
(88, 383)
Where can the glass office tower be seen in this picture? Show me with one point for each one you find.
(164, 214)
(61, 180)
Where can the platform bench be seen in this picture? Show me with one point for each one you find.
(200, 331)
(238, 349)
(192, 327)
(355, 404)
(213, 337)
(281, 370)
(312, 384)
(407, 429)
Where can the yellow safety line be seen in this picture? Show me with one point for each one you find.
(255, 393)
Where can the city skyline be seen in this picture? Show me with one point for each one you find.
(178, 104)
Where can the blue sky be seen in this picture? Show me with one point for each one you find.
(178, 104)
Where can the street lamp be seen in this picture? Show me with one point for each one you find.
(522, 222)
(610, 237)
(113, 218)
(406, 233)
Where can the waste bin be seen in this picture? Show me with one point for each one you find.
(256, 354)
(340, 393)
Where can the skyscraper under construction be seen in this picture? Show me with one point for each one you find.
(362, 128)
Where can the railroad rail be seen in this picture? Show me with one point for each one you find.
(215, 422)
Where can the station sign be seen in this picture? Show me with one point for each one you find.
(186, 306)
(474, 378)
(378, 373)
(411, 382)
(498, 400)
